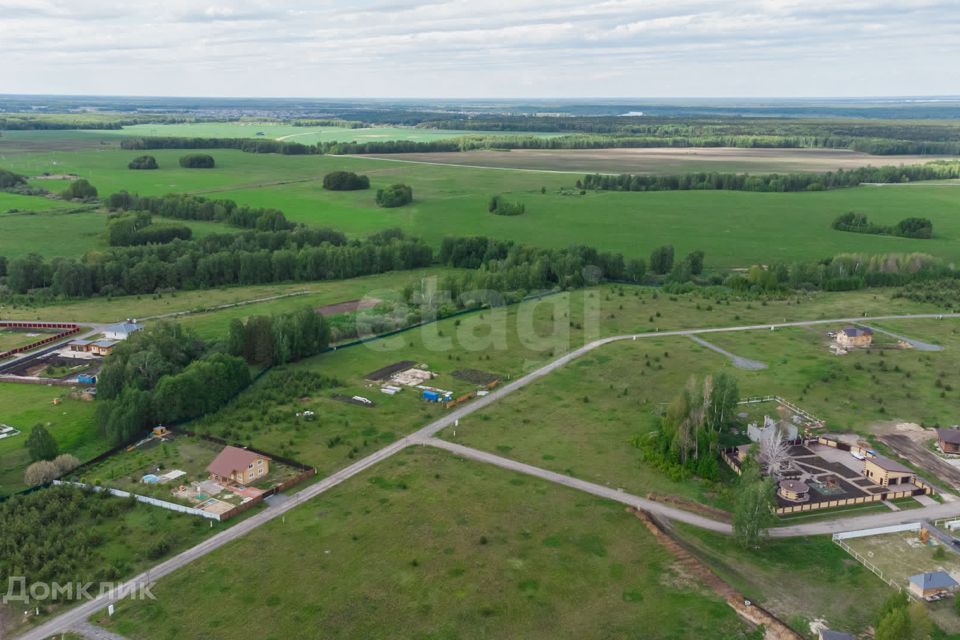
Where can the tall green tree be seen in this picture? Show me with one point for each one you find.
(41, 444)
(753, 512)
(723, 401)
(661, 259)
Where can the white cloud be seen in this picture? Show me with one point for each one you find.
(481, 47)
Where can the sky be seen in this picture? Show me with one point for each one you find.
(481, 48)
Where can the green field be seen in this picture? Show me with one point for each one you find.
(733, 228)
(303, 135)
(428, 546)
(13, 204)
(71, 423)
(70, 235)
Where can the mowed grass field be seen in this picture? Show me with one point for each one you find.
(71, 423)
(735, 229)
(428, 546)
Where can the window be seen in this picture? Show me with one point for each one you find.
(260, 461)
(250, 466)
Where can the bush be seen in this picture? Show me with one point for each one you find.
(396, 195)
(144, 162)
(65, 463)
(500, 207)
(197, 161)
(10, 179)
(40, 472)
(345, 181)
(79, 190)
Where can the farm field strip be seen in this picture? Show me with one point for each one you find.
(660, 160)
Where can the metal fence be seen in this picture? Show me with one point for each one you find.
(170, 506)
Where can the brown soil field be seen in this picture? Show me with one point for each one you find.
(663, 160)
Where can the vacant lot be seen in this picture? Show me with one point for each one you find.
(582, 419)
(664, 161)
(799, 579)
(428, 546)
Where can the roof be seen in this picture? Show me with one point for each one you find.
(105, 343)
(124, 327)
(795, 486)
(889, 465)
(853, 332)
(80, 342)
(233, 459)
(827, 634)
(934, 580)
(949, 435)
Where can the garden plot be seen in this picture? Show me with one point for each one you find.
(174, 468)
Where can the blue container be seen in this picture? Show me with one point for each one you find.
(84, 378)
(432, 396)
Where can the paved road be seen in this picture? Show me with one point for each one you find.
(790, 531)
(79, 613)
(738, 362)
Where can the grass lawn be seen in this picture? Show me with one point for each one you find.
(13, 338)
(71, 423)
(798, 579)
(733, 228)
(426, 545)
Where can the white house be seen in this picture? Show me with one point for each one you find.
(122, 330)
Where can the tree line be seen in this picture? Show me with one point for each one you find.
(921, 228)
(189, 207)
(773, 182)
(251, 257)
(844, 272)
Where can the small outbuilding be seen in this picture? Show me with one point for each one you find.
(102, 347)
(935, 583)
(855, 337)
(886, 472)
(242, 466)
(794, 490)
(949, 440)
(80, 346)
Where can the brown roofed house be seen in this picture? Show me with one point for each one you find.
(886, 472)
(949, 440)
(234, 464)
(855, 337)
